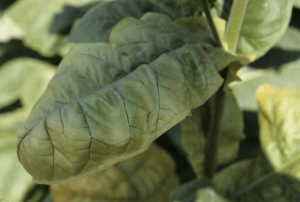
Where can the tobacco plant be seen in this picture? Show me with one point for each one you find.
(150, 101)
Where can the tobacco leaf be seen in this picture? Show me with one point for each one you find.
(264, 24)
(196, 128)
(274, 176)
(108, 102)
(42, 21)
(98, 23)
(149, 176)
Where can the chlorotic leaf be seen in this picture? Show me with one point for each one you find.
(264, 24)
(149, 176)
(98, 23)
(195, 129)
(108, 102)
(42, 29)
(279, 113)
(274, 176)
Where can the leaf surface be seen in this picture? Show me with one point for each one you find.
(264, 24)
(274, 176)
(98, 23)
(149, 176)
(108, 102)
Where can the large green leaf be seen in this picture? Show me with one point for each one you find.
(98, 23)
(196, 128)
(108, 102)
(23, 79)
(40, 25)
(199, 190)
(147, 177)
(264, 24)
(275, 175)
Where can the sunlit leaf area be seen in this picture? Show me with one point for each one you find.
(150, 101)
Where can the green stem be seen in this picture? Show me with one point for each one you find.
(234, 25)
(213, 136)
(211, 22)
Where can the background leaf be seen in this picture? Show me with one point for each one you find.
(24, 79)
(264, 24)
(279, 67)
(18, 77)
(286, 76)
(274, 176)
(147, 177)
(38, 21)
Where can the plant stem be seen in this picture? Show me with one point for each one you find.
(211, 22)
(234, 25)
(212, 141)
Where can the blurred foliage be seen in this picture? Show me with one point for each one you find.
(146, 177)
(23, 80)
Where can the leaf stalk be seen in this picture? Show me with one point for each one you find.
(233, 29)
(211, 23)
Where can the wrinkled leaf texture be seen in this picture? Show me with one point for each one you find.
(108, 102)
(148, 177)
(264, 24)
